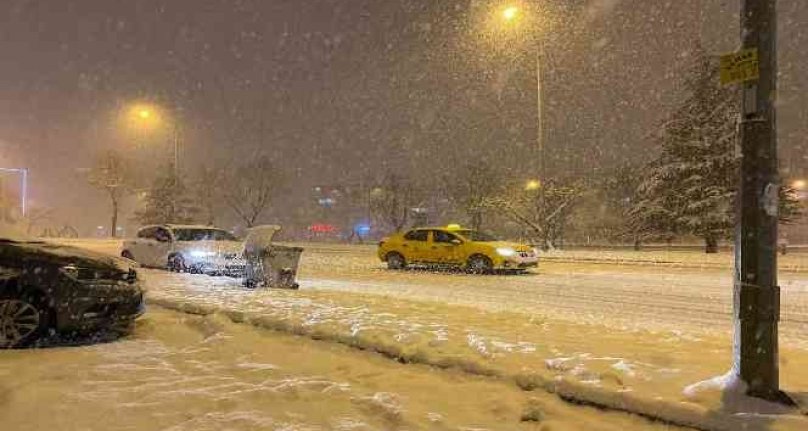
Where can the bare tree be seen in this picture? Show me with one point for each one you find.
(35, 217)
(249, 188)
(471, 186)
(111, 175)
(207, 189)
(391, 202)
(543, 211)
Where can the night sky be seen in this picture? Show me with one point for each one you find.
(341, 90)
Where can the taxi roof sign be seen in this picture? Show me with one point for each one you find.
(453, 226)
(741, 66)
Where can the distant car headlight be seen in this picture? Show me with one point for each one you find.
(202, 253)
(506, 251)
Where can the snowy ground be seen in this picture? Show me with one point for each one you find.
(628, 337)
(180, 372)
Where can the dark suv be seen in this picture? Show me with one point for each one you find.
(52, 289)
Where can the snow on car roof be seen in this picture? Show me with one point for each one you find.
(182, 226)
(191, 226)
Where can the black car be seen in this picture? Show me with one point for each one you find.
(48, 289)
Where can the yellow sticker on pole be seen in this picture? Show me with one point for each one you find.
(741, 66)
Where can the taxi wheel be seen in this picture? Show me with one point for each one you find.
(396, 261)
(479, 264)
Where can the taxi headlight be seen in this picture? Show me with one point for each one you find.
(506, 251)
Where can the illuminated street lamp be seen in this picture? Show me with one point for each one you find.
(799, 185)
(145, 117)
(532, 185)
(510, 13)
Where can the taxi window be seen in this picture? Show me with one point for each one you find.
(416, 235)
(442, 236)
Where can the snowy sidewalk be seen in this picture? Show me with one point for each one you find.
(640, 371)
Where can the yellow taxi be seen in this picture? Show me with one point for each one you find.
(454, 246)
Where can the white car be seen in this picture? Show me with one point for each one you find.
(181, 248)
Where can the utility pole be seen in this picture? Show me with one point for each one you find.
(756, 296)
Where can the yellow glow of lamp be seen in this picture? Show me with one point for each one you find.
(510, 13)
(144, 114)
(533, 185)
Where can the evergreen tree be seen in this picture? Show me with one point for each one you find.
(168, 201)
(691, 185)
(690, 188)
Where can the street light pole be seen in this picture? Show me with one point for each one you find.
(756, 296)
(176, 151)
(23, 187)
(539, 109)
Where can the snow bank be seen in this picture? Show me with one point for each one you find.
(634, 372)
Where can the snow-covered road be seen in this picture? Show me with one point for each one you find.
(634, 297)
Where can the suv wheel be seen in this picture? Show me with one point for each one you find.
(23, 319)
(396, 261)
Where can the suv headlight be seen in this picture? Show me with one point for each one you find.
(506, 251)
(79, 274)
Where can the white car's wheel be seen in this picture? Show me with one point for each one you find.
(176, 263)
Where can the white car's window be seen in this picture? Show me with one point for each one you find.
(147, 233)
(203, 235)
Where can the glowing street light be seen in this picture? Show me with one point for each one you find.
(532, 185)
(144, 113)
(799, 184)
(145, 117)
(510, 13)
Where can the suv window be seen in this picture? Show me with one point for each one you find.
(416, 235)
(442, 236)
